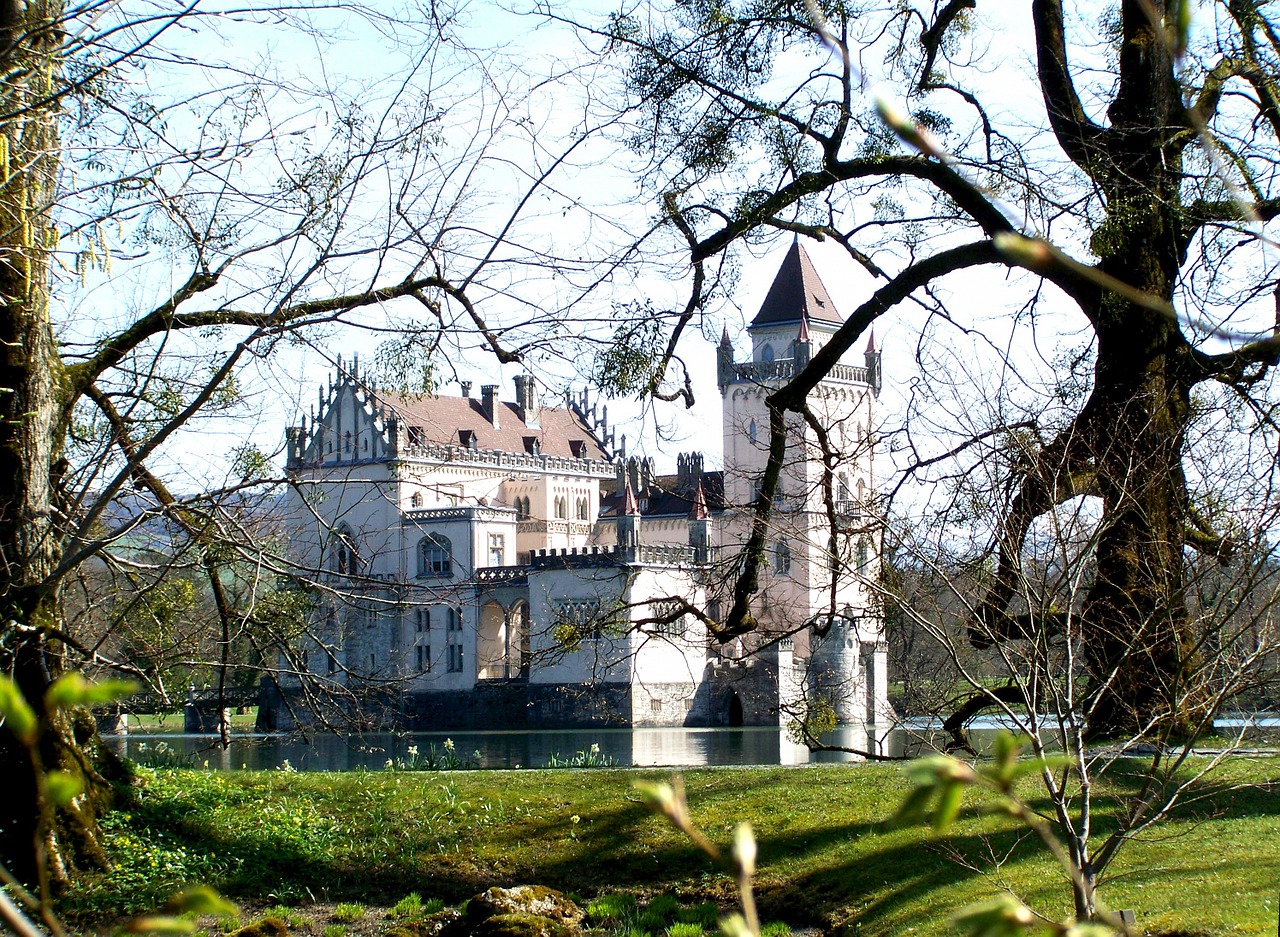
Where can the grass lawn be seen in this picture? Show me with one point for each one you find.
(825, 856)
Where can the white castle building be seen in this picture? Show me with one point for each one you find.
(484, 563)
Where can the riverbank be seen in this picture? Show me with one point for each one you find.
(826, 859)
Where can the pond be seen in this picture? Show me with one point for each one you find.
(664, 747)
(492, 749)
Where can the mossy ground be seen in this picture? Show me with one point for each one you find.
(826, 859)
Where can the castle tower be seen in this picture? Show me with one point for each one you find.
(802, 576)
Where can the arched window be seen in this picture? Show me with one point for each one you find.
(781, 557)
(522, 509)
(864, 556)
(582, 509)
(344, 558)
(842, 488)
(752, 431)
(766, 353)
(435, 556)
(346, 441)
(562, 507)
(415, 499)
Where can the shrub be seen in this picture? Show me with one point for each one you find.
(706, 915)
(612, 908)
(408, 907)
(682, 929)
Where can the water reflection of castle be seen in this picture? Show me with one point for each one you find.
(501, 564)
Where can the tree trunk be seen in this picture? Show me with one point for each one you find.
(34, 414)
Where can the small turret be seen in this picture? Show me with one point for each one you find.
(724, 360)
(873, 364)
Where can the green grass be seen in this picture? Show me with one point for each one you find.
(825, 855)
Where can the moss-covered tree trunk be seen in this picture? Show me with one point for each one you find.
(34, 412)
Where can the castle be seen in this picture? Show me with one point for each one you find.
(482, 563)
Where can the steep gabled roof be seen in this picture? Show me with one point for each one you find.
(454, 420)
(796, 291)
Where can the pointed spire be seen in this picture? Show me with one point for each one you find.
(699, 510)
(797, 291)
(871, 342)
(804, 326)
(630, 506)
(724, 336)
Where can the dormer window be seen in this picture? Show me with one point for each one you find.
(417, 436)
(467, 438)
(578, 447)
(532, 445)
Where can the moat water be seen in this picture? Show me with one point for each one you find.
(676, 747)
(518, 749)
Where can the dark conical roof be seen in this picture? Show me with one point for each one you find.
(796, 292)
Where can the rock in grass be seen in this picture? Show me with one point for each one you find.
(529, 900)
(446, 923)
(267, 927)
(520, 924)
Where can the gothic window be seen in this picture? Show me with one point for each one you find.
(497, 549)
(842, 488)
(522, 509)
(583, 508)
(346, 441)
(343, 556)
(752, 431)
(415, 499)
(766, 353)
(671, 624)
(453, 640)
(781, 557)
(864, 556)
(562, 507)
(435, 556)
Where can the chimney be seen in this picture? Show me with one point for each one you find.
(489, 398)
(527, 399)
(466, 388)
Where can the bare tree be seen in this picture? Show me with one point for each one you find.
(182, 208)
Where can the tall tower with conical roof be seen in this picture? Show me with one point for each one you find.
(812, 578)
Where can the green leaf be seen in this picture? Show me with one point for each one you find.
(1003, 917)
(948, 806)
(735, 926)
(914, 808)
(72, 689)
(160, 924)
(17, 712)
(201, 899)
(61, 787)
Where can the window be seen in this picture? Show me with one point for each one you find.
(422, 620)
(766, 353)
(346, 441)
(532, 445)
(497, 549)
(415, 499)
(577, 619)
(781, 557)
(434, 556)
(522, 509)
(453, 640)
(583, 510)
(842, 488)
(422, 661)
(753, 431)
(674, 624)
(343, 556)
(562, 507)
(864, 556)
(417, 436)
(578, 447)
